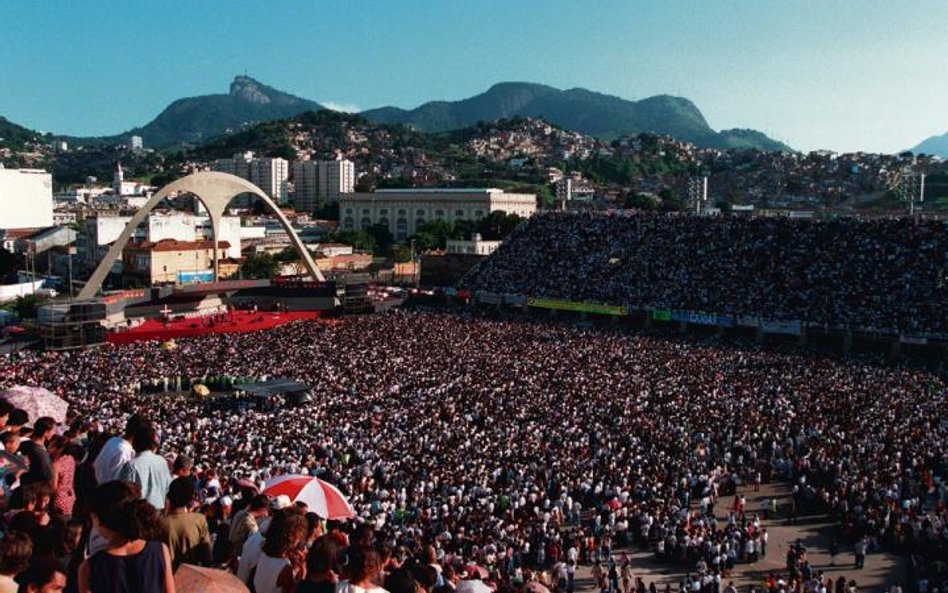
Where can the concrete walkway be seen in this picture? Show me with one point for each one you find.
(881, 571)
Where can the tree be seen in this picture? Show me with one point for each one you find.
(361, 240)
(289, 254)
(401, 254)
(425, 241)
(366, 183)
(260, 266)
(326, 211)
(463, 229)
(670, 200)
(498, 225)
(640, 201)
(433, 235)
(545, 198)
(26, 305)
(383, 238)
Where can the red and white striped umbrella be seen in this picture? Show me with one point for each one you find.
(321, 497)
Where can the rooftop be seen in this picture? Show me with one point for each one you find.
(175, 245)
(441, 190)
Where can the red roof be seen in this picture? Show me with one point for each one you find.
(175, 245)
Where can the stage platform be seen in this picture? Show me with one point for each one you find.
(231, 323)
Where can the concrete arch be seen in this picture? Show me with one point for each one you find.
(215, 190)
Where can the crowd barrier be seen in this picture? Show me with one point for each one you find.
(793, 327)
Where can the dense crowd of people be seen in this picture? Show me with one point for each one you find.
(887, 274)
(509, 451)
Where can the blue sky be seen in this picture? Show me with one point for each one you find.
(839, 74)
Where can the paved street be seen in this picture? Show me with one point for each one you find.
(881, 570)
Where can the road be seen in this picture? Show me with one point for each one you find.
(881, 571)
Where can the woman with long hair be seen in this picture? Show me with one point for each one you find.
(63, 453)
(135, 560)
(361, 567)
(283, 561)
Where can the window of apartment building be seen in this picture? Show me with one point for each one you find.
(348, 222)
(366, 223)
(439, 214)
(459, 213)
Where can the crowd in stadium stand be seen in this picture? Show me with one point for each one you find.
(887, 274)
(510, 452)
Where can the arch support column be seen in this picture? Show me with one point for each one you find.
(215, 190)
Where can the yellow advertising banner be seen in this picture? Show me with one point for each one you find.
(574, 306)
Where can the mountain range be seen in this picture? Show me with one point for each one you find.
(603, 116)
(936, 145)
(194, 120)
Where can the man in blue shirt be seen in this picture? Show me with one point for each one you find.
(149, 470)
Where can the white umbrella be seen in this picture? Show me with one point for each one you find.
(473, 586)
(37, 402)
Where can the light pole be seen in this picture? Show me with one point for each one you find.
(414, 266)
(698, 191)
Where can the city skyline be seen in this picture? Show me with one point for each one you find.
(813, 75)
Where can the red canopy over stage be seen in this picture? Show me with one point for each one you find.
(233, 322)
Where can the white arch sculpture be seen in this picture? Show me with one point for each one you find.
(215, 190)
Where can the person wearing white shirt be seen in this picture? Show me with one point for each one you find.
(116, 454)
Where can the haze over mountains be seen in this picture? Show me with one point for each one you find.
(936, 145)
(596, 114)
(194, 120)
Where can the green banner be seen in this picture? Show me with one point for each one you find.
(661, 314)
(574, 306)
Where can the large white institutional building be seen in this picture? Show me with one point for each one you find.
(404, 210)
(26, 198)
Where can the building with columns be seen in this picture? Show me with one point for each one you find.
(403, 211)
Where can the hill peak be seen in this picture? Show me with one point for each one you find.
(249, 89)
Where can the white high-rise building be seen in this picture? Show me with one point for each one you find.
(268, 174)
(305, 185)
(136, 143)
(26, 198)
(238, 165)
(271, 176)
(321, 181)
(335, 178)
